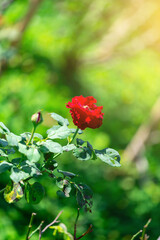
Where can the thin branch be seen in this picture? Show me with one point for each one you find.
(88, 231)
(75, 225)
(40, 232)
(144, 229)
(54, 221)
(30, 225)
(37, 229)
(135, 235)
(75, 228)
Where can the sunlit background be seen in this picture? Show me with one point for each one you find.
(51, 51)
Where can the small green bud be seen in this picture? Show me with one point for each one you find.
(37, 119)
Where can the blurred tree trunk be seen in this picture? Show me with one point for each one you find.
(136, 147)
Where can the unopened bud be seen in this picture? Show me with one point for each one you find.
(37, 118)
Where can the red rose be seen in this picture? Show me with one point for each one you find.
(85, 113)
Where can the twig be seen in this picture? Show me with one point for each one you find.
(88, 231)
(75, 225)
(40, 232)
(38, 228)
(54, 221)
(135, 235)
(144, 229)
(75, 228)
(30, 225)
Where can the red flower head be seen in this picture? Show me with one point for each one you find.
(85, 113)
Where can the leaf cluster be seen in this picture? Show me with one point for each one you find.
(30, 155)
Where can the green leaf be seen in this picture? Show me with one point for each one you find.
(3, 129)
(13, 139)
(3, 142)
(67, 174)
(69, 147)
(110, 156)
(4, 166)
(17, 174)
(61, 194)
(60, 133)
(31, 152)
(30, 168)
(10, 151)
(27, 135)
(80, 199)
(51, 164)
(51, 146)
(80, 141)
(13, 192)
(34, 193)
(82, 153)
(61, 121)
(23, 148)
(87, 192)
(3, 153)
(59, 182)
(84, 195)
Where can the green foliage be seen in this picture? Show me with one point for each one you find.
(34, 193)
(35, 156)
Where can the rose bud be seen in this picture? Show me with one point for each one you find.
(37, 119)
(85, 113)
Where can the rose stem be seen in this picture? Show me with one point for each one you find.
(33, 131)
(74, 135)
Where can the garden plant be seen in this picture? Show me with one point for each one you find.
(30, 155)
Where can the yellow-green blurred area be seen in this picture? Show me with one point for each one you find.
(53, 50)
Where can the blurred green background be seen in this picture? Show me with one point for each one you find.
(51, 51)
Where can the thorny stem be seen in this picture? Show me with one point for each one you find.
(30, 225)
